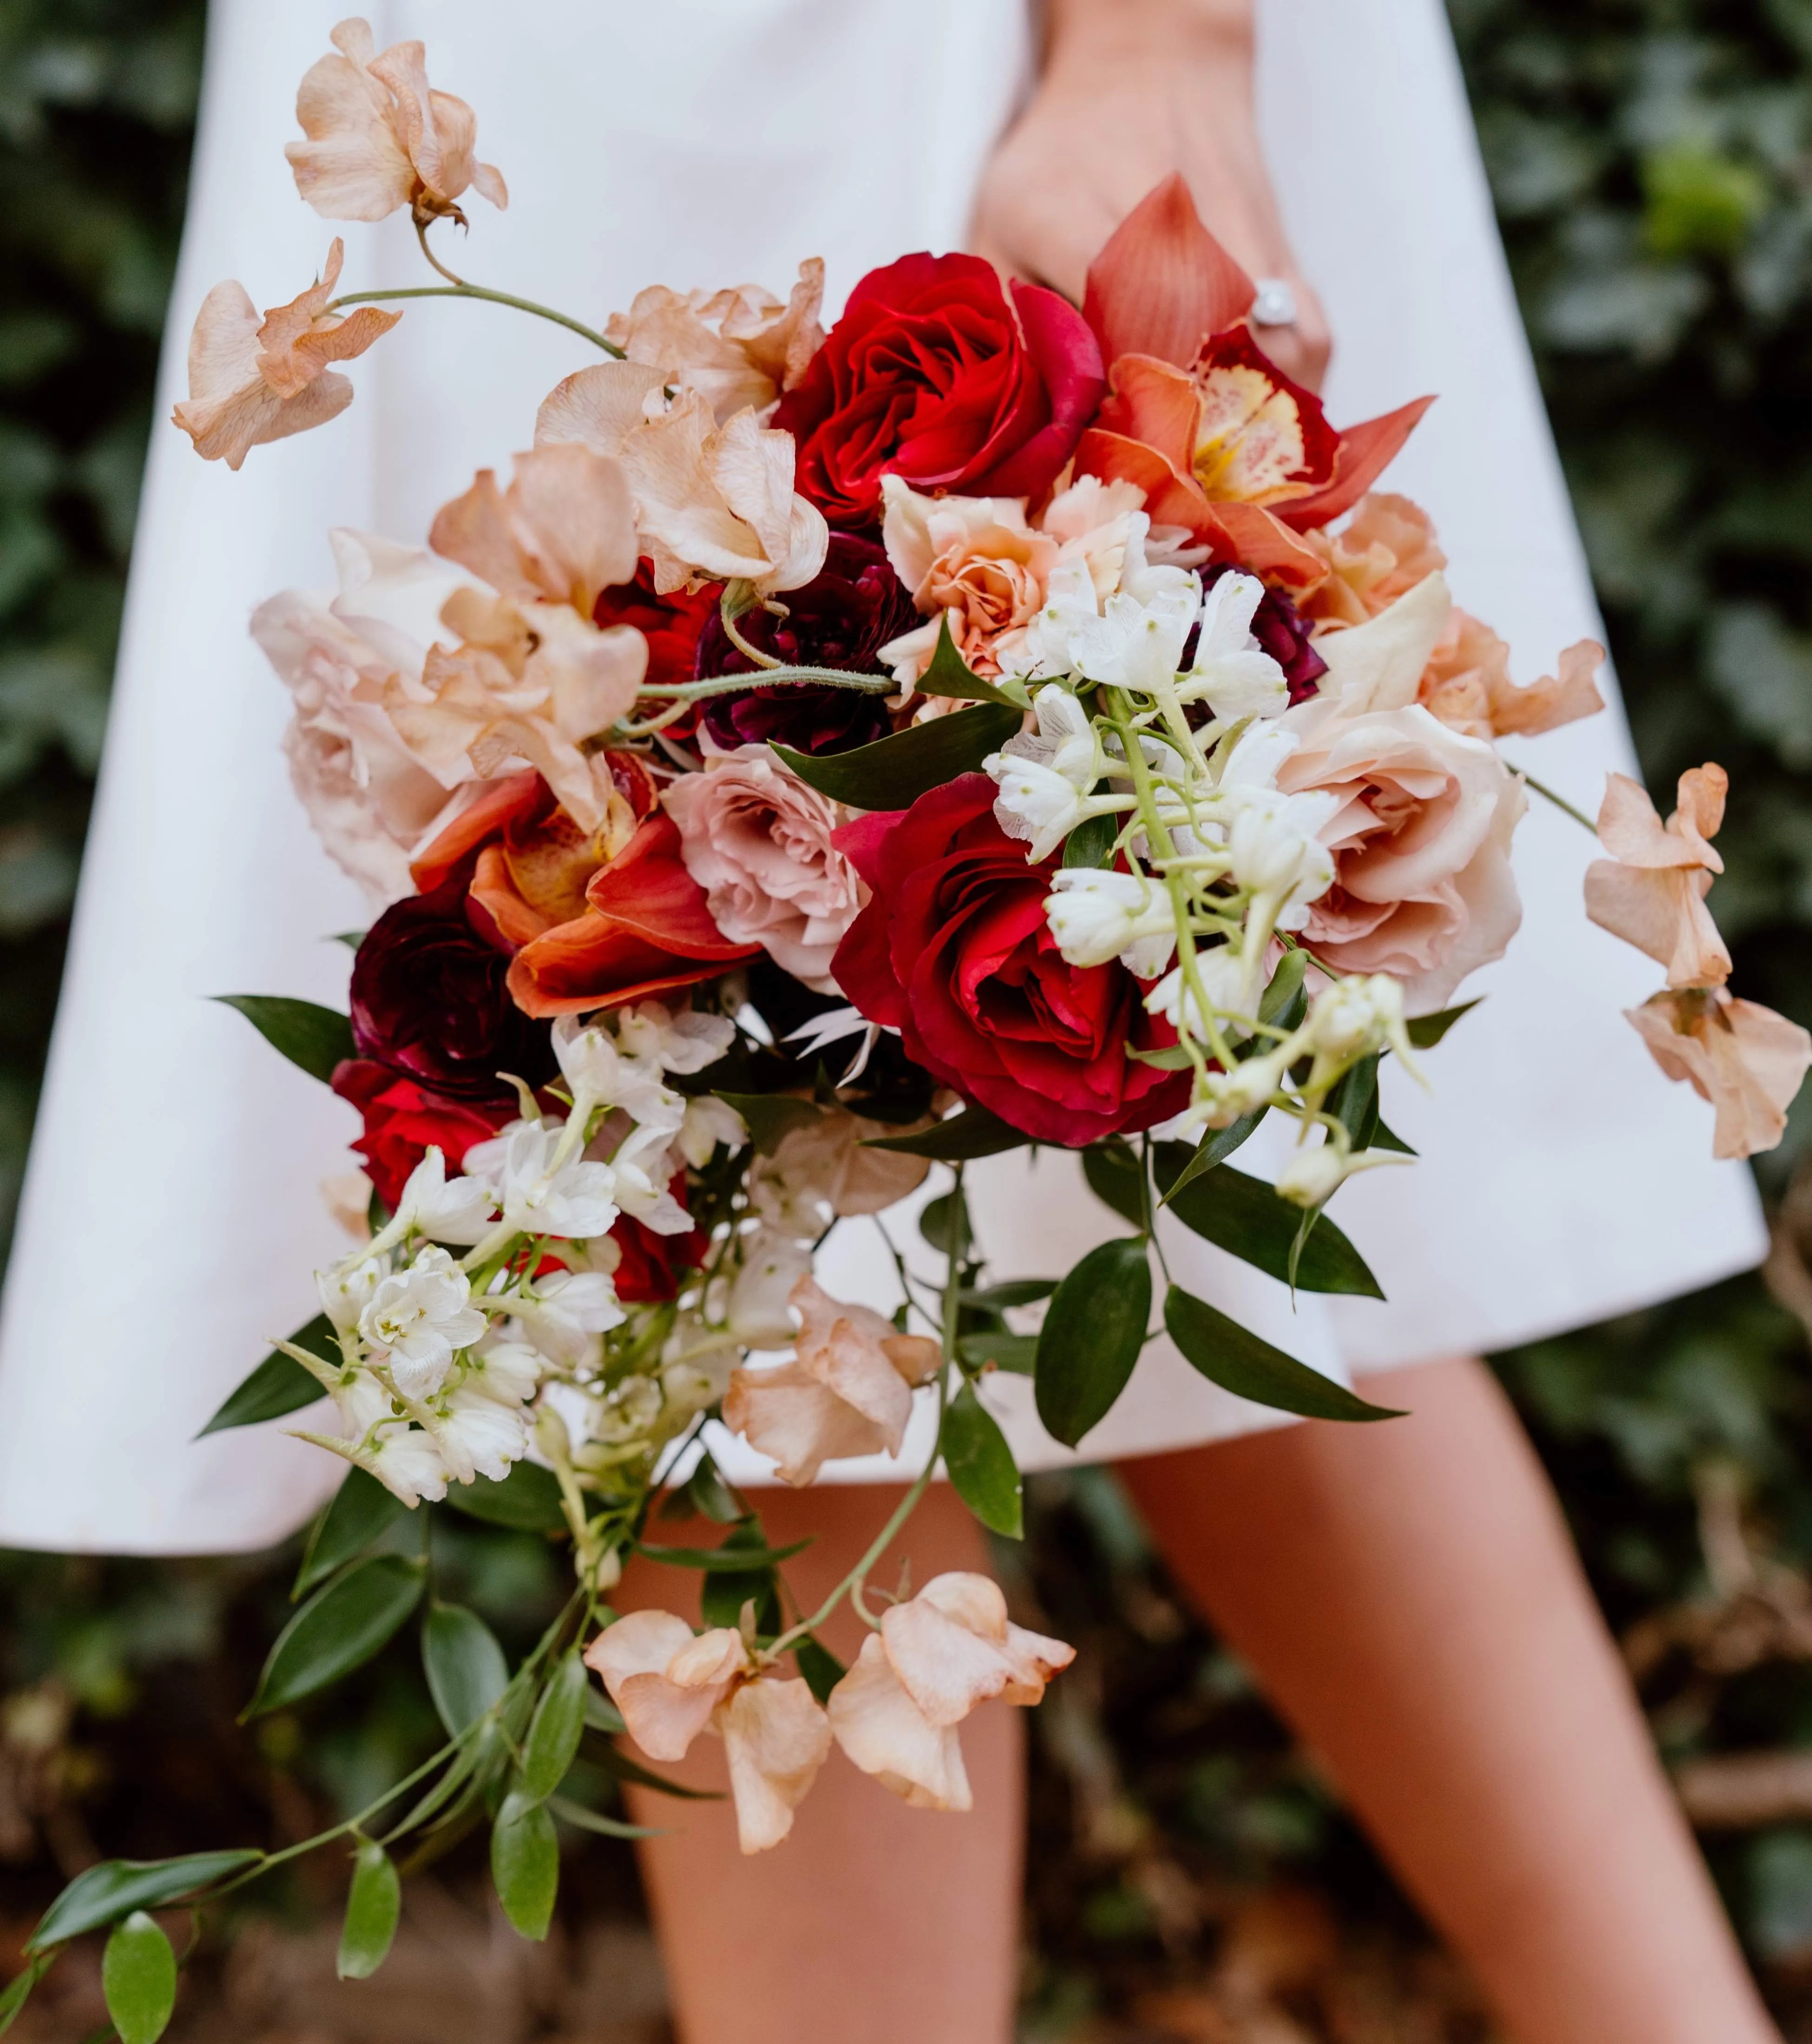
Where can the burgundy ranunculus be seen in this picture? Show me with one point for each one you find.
(429, 1000)
(1282, 632)
(933, 373)
(403, 1120)
(841, 619)
(953, 951)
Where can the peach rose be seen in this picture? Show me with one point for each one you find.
(1422, 885)
(758, 840)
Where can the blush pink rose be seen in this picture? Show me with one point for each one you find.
(758, 841)
(1423, 889)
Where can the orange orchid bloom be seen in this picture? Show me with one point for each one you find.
(1220, 440)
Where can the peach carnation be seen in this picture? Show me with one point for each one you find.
(1385, 548)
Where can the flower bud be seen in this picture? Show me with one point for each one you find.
(1095, 915)
(609, 1570)
(1354, 1017)
(551, 1437)
(1313, 1176)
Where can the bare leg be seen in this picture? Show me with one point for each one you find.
(1408, 1594)
(873, 1923)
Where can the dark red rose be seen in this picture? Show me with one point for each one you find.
(953, 951)
(1282, 632)
(429, 1000)
(403, 1120)
(841, 619)
(934, 374)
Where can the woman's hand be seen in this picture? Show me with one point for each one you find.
(1131, 90)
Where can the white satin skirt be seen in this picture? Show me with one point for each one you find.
(171, 1215)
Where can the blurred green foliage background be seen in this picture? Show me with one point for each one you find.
(1651, 161)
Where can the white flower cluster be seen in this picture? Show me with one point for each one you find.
(442, 1359)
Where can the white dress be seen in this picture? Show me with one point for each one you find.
(171, 1218)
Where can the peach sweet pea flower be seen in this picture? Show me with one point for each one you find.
(951, 1647)
(253, 379)
(713, 503)
(848, 1392)
(380, 137)
(533, 677)
(823, 1169)
(1651, 891)
(1467, 684)
(370, 800)
(671, 1685)
(758, 840)
(736, 349)
(1745, 1059)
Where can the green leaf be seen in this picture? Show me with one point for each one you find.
(1013, 1292)
(819, 1667)
(1016, 1353)
(626, 1770)
(1091, 842)
(555, 1731)
(584, 1819)
(528, 1499)
(1116, 1175)
(138, 1979)
(726, 1589)
(1244, 1216)
(360, 1512)
(19, 1989)
(465, 1667)
(315, 1038)
(116, 1887)
(944, 1223)
(975, 1132)
(339, 1629)
(1353, 1102)
(374, 1902)
(980, 1465)
(1427, 1031)
(1238, 1360)
(728, 1556)
(601, 1715)
(1091, 1337)
(705, 1495)
(950, 675)
(279, 1385)
(1384, 1137)
(894, 772)
(772, 1116)
(1169, 1168)
(526, 1864)
(1283, 1003)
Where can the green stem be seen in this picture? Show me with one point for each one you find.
(1549, 795)
(491, 296)
(770, 678)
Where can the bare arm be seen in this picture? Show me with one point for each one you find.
(1131, 90)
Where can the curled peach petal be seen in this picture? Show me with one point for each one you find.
(1386, 548)
(1651, 891)
(253, 378)
(379, 137)
(737, 348)
(776, 1736)
(563, 533)
(665, 1682)
(884, 1732)
(1378, 665)
(1745, 1059)
(595, 407)
(1556, 699)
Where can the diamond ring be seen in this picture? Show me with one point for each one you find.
(1273, 303)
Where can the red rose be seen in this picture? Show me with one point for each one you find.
(650, 1265)
(953, 951)
(933, 374)
(403, 1118)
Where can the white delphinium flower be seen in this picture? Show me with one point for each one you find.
(406, 1461)
(1157, 561)
(679, 1040)
(772, 1264)
(1312, 1175)
(509, 1372)
(564, 1313)
(643, 1168)
(477, 1436)
(1356, 1017)
(447, 1209)
(1226, 982)
(629, 1411)
(1230, 671)
(418, 1320)
(1096, 915)
(599, 1073)
(1223, 1097)
(576, 1201)
(1046, 776)
(1134, 644)
(696, 1361)
(709, 1121)
(362, 1403)
(1045, 648)
(346, 1292)
(1271, 838)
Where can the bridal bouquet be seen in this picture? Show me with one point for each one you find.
(825, 755)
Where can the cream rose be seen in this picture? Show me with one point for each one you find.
(1422, 888)
(757, 839)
